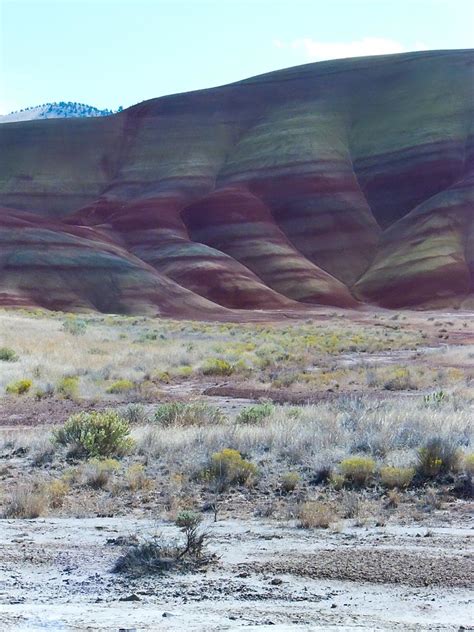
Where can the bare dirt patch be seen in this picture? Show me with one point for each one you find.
(28, 412)
(381, 566)
(56, 575)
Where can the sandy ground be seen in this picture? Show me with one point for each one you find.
(55, 574)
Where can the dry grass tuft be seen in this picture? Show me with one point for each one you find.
(315, 514)
(26, 502)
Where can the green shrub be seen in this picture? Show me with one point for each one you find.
(188, 522)
(193, 414)
(400, 477)
(19, 388)
(436, 458)
(255, 414)
(184, 371)
(95, 434)
(68, 387)
(227, 467)
(217, 366)
(7, 355)
(357, 470)
(434, 399)
(75, 326)
(121, 386)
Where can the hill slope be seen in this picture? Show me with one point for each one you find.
(62, 109)
(329, 183)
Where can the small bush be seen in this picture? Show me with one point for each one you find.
(75, 326)
(121, 386)
(42, 451)
(468, 464)
(436, 458)
(217, 366)
(337, 481)
(163, 376)
(189, 522)
(401, 380)
(156, 557)
(19, 388)
(43, 393)
(97, 473)
(399, 477)
(227, 467)
(289, 481)
(286, 379)
(137, 478)
(323, 474)
(147, 558)
(95, 434)
(430, 500)
(26, 502)
(255, 414)
(56, 491)
(393, 499)
(357, 470)
(135, 414)
(316, 515)
(194, 414)
(68, 387)
(434, 399)
(184, 371)
(7, 355)
(350, 504)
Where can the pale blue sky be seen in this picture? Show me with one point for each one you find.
(119, 52)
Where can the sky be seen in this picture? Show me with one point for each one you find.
(111, 53)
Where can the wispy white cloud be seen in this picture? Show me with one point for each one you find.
(316, 50)
(279, 44)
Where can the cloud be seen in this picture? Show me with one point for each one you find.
(317, 51)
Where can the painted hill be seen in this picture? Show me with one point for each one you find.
(331, 183)
(62, 109)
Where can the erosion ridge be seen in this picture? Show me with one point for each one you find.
(334, 183)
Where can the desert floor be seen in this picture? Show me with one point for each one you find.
(297, 544)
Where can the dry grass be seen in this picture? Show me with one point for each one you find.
(315, 514)
(97, 473)
(285, 455)
(292, 448)
(319, 435)
(148, 353)
(396, 477)
(26, 502)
